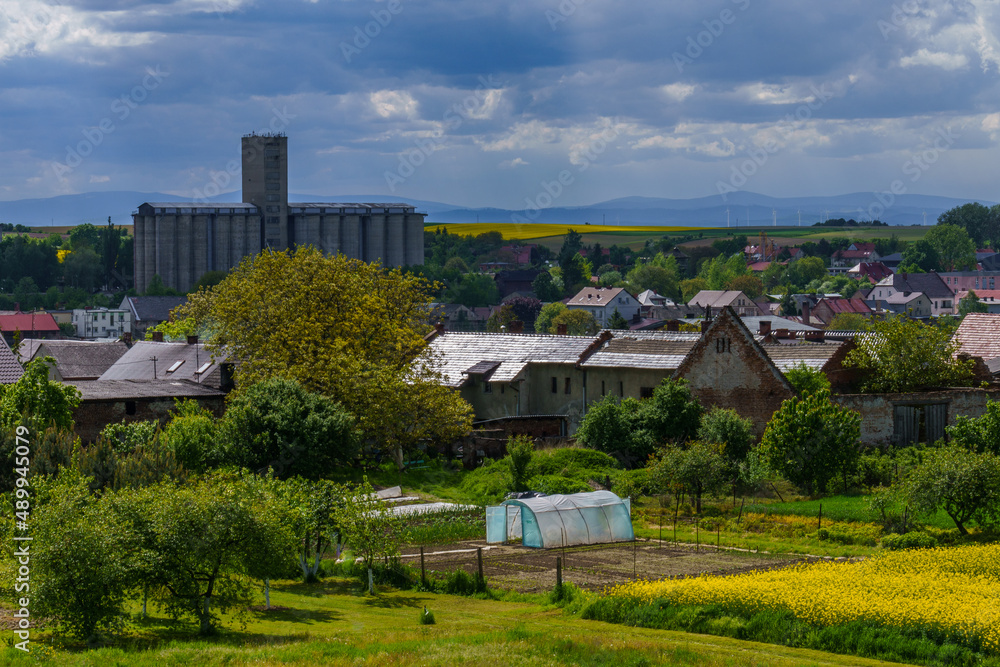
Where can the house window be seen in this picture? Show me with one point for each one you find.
(555, 386)
(566, 389)
(130, 407)
(645, 392)
(487, 387)
(501, 388)
(723, 345)
(621, 389)
(602, 387)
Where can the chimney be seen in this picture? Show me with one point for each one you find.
(127, 338)
(439, 327)
(781, 333)
(562, 329)
(705, 324)
(673, 325)
(765, 327)
(157, 336)
(805, 312)
(637, 317)
(192, 340)
(17, 307)
(814, 336)
(516, 326)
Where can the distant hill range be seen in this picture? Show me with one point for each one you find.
(741, 209)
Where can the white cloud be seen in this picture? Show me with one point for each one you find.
(94, 178)
(393, 103)
(511, 164)
(678, 92)
(946, 61)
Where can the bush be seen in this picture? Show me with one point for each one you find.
(550, 484)
(461, 582)
(426, 617)
(911, 540)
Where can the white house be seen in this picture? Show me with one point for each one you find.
(102, 322)
(602, 302)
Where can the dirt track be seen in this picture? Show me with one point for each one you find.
(590, 567)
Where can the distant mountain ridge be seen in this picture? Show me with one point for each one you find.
(740, 209)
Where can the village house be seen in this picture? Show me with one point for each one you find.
(853, 255)
(37, 324)
(899, 293)
(712, 302)
(102, 322)
(602, 302)
(158, 360)
(146, 312)
(829, 307)
(74, 359)
(873, 272)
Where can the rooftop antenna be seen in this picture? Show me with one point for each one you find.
(154, 367)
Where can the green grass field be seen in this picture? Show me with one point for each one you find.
(331, 623)
(841, 508)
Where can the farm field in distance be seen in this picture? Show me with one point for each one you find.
(634, 236)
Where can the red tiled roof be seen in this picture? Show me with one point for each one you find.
(25, 322)
(874, 271)
(846, 305)
(852, 254)
(979, 335)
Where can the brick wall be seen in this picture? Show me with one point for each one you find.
(92, 416)
(727, 368)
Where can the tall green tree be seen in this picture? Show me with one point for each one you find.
(920, 257)
(902, 355)
(964, 484)
(370, 527)
(955, 249)
(698, 468)
(365, 349)
(37, 401)
(970, 303)
(810, 441)
(724, 426)
(277, 424)
(977, 220)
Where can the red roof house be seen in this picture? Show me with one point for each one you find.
(30, 325)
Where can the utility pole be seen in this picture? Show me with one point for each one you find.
(154, 367)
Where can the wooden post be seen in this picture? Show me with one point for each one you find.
(660, 546)
(371, 583)
(423, 572)
(697, 535)
(820, 516)
(738, 518)
(558, 576)
(718, 536)
(479, 559)
(634, 546)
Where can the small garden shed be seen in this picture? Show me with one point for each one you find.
(561, 520)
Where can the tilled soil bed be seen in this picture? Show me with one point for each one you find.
(592, 567)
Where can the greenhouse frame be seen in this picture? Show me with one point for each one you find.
(597, 517)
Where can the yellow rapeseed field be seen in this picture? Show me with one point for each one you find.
(955, 591)
(512, 230)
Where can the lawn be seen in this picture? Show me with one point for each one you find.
(330, 623)
(841, 508)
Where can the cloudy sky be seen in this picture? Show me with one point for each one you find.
(492, 103)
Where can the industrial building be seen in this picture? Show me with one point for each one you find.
(181, 241)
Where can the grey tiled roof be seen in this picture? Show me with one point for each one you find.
(138, 364)
(10, 370)
(664, 354)
(152, 308)
(457, 352)
(78, 359)
(109, 390)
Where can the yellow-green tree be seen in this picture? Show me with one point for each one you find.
(343, 328)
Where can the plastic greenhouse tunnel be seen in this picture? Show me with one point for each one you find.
(561, 520)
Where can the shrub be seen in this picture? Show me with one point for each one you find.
(461, 582)
(911, 540)
(550, 484)
(426, 617)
